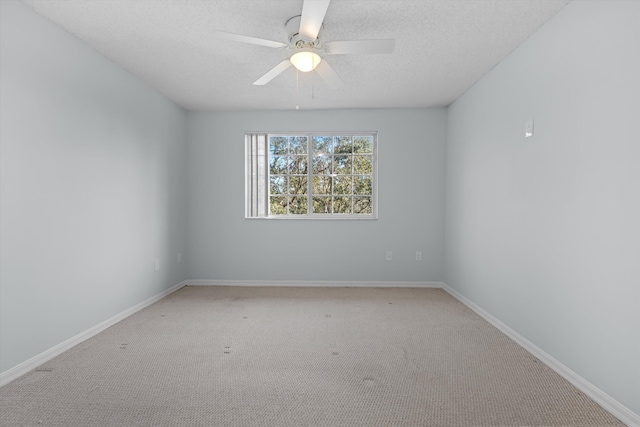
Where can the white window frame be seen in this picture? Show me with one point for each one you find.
(257, 177)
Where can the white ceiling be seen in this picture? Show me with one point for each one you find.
(442, 47)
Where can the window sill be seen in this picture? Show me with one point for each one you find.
(317, 217)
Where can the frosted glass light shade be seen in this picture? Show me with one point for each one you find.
(305, 61)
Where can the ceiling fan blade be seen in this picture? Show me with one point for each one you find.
(360, 46)
(271, 74)
(328, 75)
(313, 12)
(247, 39)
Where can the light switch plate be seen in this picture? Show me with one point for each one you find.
(528, 128)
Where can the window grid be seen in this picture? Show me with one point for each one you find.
(318, 175)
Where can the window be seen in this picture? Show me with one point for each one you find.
(311, 175)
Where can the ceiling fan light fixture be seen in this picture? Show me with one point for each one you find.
(305, 61)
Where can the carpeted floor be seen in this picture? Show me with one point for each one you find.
(279, 356)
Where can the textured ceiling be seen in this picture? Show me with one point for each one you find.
(442, 47)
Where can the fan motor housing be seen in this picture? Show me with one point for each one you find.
(295, 39)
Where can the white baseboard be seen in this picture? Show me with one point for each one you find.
(28, 365)
(617, 409)
(315, 283)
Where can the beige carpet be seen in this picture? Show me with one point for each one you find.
(223, 356)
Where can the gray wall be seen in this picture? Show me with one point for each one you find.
(544, 232)
(224, 245)
(93, 172)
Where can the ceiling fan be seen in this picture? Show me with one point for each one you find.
(303, 40)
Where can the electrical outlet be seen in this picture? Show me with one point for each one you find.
(156, 265)
(418, 256)
(389, 256)
(179, 257)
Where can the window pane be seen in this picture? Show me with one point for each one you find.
(342, 205)
(342, 144)
(321, 205)
(342, 164)
(298, 205)
(278, 184)
(363, 144)
(278, 145)
(322, 144)
(277, 205)
(342, 185)
(298, 165)
(321, 165)
(298, 144)
(362, 164)
(298, 185)
(338, 169)
(362, 184)
(362, 205)
(321, 185)
(278, 165)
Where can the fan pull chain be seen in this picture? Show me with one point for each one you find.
(297, 90)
